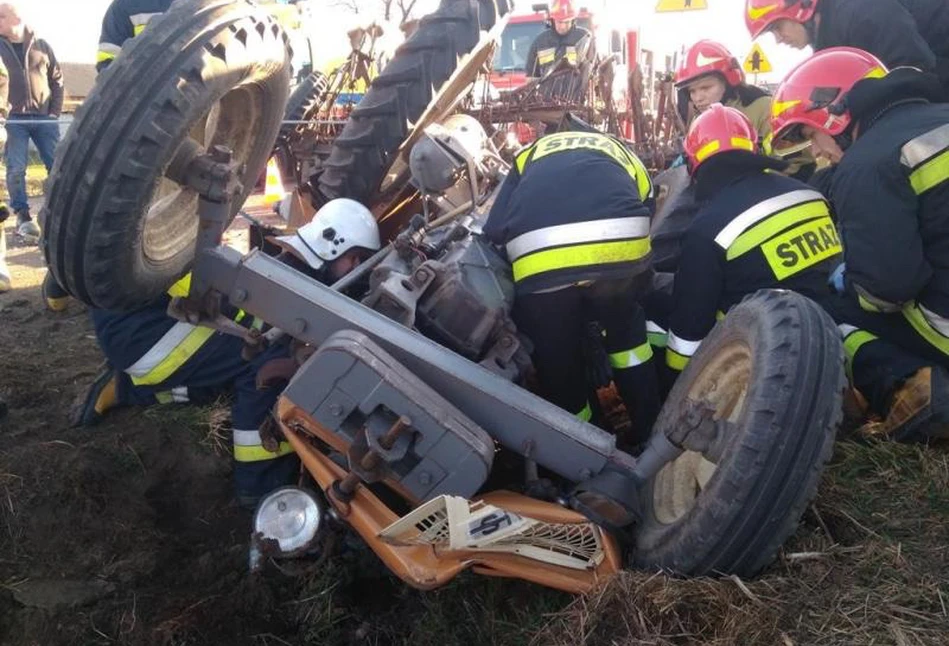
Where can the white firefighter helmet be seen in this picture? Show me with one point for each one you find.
(342, 224)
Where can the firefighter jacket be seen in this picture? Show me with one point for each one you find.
(549, 47)
(125, 19)
(148, 344)
(898, 32)
(35, 87)
(756, 229)
(891, 196)
(573, 208)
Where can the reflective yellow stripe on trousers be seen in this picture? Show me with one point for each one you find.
(929, 325)
(173, 349)
(248, 447)
(591, 243)
(178, 344)
(854, 339)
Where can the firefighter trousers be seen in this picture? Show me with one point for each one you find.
(556, 322)
(882, 350)
(219, 369)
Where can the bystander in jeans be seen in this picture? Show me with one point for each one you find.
(35, 97)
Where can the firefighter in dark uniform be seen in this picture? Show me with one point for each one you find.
(573, 216)
(755, 229)
(125, 19)
(563, 39)
(899, 32)
(890, 192)
(156, 359)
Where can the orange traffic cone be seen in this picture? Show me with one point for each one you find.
(273, 188)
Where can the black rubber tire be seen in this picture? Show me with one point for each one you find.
(303, 100)
(302, 104)
(769, 470)
(399, 95)
(202, 55)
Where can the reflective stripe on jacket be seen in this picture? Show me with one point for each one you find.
(891, 196)
(573, 208)
(760, 231)
(123, 20)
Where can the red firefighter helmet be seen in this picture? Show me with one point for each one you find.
(761, 14)
(718, 130)
(562, 11)
(813, 93)
(708, 57)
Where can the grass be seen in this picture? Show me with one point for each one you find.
(35, 176)
(869, 565)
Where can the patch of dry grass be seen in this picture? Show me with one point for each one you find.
(869, 565)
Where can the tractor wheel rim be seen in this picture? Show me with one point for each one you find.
(723, 387)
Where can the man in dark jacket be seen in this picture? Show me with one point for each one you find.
(125, 19)
(573, 217)
(563, 39)
(890, 192)
(899, 32)
(35, 96)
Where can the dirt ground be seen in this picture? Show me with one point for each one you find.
(126, 534)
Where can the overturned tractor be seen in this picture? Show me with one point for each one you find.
(410, 402)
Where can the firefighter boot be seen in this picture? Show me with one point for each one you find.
(919, 409)
(101, 397)
(54, 296)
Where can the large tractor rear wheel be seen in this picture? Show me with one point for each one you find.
(395, 100)
(117, 230)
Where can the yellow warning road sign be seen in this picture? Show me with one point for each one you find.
(681, 5)
(756, 62)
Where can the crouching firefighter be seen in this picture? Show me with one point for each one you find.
(573, 217)
(154, 358)
(890, 192)
(756, 229)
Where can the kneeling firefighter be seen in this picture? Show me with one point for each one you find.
(890, 191)
(154, 358)
(573, 217)
(755, 229)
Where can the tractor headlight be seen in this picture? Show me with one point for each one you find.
(290, 516)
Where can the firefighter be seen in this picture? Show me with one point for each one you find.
(898, 32)
(755, 229)
(573, 216)
(125, 19)
(153, 358)
(890, 191)
(562, 39)
(710, 75)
